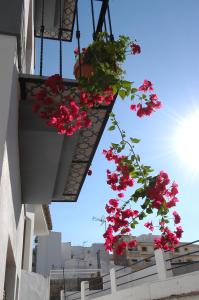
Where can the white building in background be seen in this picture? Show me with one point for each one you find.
(52, 254)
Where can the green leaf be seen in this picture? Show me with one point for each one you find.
(133, 174)
(114, 146)
(138, 158)
(134, 140)
(142, 215)
(134, 90)
(149, 210)
(141, 180)
(122, 94)
(111, 128)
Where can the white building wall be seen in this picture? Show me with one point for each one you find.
(34, 286)
(49, 253)
(11, 209)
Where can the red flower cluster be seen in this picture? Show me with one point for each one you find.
(168, 239)
(177, 217)
(90, 100)
(119, 222)
(150, 106)
(151, 103)
(62, 112)
(135, 48)
(120, 179)
(160, 194)
(149, 225)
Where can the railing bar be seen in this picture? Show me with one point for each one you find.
(93, 19)
(105, 275)
(60, 37)
(42, 39)
(73, 294)
(182, 255)
(135, 271)
(136, 279)
(110, 25)
(142, 260)
(78, 40)
(183, 265)
(185, 245)
(99, 291)
(106, 281)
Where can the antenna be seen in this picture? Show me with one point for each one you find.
(102, 220)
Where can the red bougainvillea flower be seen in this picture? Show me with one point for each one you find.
(120, 248)
(135, 48)
(90, 172)
(114, 202)
(146, 86)
(133, 107)
(149, 225)
(177, 217)
(167, 241)
(62, 112)
(179, 231)
(121, 195)
(132, 244)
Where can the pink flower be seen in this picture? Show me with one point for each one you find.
(121, 195)
(149, 225)
(177, 217)
(179, 231)
(133, 107)
(132, 244)
(135, 48)
(146, 86)
(120, 248)
(114, 202)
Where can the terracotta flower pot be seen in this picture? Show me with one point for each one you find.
(86, 70)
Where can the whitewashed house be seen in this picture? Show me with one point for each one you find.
(37, 166)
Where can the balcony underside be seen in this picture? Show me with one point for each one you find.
(52, 18)
(54, 167)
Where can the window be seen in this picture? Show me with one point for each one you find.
(147, 260)
(134, 260)
(189, 260)
(186, 249)
(144, 249)
(88, 252)
(132, 249)
(177, 250)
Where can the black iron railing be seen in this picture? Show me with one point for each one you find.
(100, 287)
(176, 261)
(103, 24)
(135, 271)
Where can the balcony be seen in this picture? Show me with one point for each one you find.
(54, 167)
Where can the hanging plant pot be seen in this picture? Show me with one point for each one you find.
(86, 70)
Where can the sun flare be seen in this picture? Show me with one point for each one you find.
(186, 141)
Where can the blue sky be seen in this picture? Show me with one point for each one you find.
(168, 32)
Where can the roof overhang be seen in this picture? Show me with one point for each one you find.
(41, 224)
